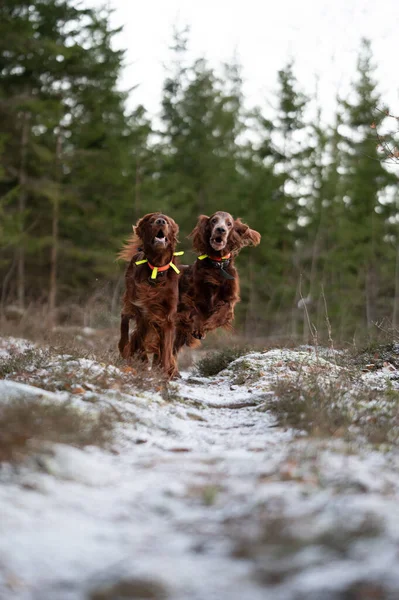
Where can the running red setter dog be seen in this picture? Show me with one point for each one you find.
(209, 289)
(151, 296)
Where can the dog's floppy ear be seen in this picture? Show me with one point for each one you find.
(244, 235)
(139, 228)
(174, 230)
(200, 241)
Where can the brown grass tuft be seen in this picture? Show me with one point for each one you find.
(339, 408)
(61, 369)
(27, 423)
(314, 406)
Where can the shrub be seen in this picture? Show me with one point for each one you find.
(214, 362)
(314, 406)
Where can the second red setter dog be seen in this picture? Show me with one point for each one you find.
(209, 289)
(151, 294)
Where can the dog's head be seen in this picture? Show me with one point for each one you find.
(157, 232)
(221, 233)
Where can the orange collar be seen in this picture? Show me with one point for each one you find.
(160, 269)
(215, 258)
(156, 270)
(221, 258)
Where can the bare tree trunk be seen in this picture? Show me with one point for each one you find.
(54, 234)
(201, 201)
(249, 313)
(371, 296)
(368, 300)
(395, 315)
(294, 312)
(309, 299)
(22, 178)
(5, 283)
(372, 279)
(137, 190)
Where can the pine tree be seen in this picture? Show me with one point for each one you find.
(266, 270)
(364, 228)
(290, 137)
(201, 122)
(67, 144)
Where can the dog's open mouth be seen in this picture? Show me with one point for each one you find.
(160, 238)
(218, 243)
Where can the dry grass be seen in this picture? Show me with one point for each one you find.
(62, 369)
(26, 424)
(313, 405)
(141, 589)
(376, 355)
(19, 362)
(382, 346)
(338, 408)
(73, 334)
(102, 315)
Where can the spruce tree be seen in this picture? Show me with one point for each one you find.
(290, 136)
(201, 122)
(67, 146)
(362, 234)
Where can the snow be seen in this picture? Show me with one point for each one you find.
(10, 345)
(12, 390)
(202, 493)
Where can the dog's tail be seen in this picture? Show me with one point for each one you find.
(130, 248)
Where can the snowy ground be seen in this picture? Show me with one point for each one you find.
(201, 496)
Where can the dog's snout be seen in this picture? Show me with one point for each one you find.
(160, 221)
(220, 230)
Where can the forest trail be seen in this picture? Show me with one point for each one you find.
(201, 495)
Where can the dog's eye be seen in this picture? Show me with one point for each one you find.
(214, 220)
(228, 224)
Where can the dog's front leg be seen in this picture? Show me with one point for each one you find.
(198, 322)
(222, 316)
(167, 357)
(137, 346)
(124, 339)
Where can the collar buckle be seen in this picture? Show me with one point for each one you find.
(219, 263)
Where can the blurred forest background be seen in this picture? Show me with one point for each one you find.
(77, 168)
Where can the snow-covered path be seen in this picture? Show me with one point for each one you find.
(201, 497)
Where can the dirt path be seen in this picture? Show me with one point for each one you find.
(202, 497)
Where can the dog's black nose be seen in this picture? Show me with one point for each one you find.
(220, 230)
(160, 221)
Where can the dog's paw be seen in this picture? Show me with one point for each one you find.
(172, 372)
(174, 375)
(199, 335)
(124, 350)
